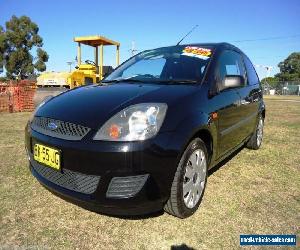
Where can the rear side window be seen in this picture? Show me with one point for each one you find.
(251, 72)
(230, 63)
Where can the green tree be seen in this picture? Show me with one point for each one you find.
(290, 68)
(272, 81)
(17, 42)
(2, 46)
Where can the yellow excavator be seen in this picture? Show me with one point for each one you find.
(53, 83)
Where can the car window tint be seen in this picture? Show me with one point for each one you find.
(230, 63)
(251, 72)
(183, 67)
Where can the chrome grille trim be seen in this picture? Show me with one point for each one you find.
(64, 130)
(82, 183)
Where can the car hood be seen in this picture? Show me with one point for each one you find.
(92, 106)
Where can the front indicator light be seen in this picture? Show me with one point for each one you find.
(114, 131)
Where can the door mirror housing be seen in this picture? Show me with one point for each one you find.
(232, 81)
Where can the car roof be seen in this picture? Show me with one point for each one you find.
(221, 45)
(214, 46)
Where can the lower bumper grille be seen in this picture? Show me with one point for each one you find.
(75, 181)
(125, 187)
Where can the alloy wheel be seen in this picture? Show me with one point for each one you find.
(194, 178)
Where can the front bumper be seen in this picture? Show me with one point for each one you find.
(96, 168)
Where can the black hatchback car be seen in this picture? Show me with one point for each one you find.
(146, 136)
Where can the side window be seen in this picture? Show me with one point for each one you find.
(251, 72)
(230, 63)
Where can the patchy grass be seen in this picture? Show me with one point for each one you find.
(282, 97)
(256, 192)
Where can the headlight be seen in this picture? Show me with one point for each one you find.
(135, 123)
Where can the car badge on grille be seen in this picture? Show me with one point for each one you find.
(52, 126)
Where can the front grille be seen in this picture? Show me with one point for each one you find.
(62, 130)
(75, 181)
(125, 187)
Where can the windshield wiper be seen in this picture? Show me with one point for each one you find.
(178, 81)
(122, 80)
(170, 81)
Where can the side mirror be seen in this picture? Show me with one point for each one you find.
(76, 67)
(232, 81)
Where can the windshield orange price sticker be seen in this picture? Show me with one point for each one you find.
(193, 51)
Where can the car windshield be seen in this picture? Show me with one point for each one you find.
(178, 64)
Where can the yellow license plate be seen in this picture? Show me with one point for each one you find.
(48, 156)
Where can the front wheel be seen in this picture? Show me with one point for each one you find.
(255, 140)
(189, 181)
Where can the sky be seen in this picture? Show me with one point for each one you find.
(267, 31)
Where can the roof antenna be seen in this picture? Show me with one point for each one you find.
(187, 34)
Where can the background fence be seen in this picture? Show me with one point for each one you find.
(281, 88)
(17, 96)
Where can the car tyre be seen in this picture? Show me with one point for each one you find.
(189, 181)
(255, 140)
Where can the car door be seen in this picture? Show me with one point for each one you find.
(228, 102)
(250, 96)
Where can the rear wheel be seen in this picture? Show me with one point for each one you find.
(256, 139)
(189, 181)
